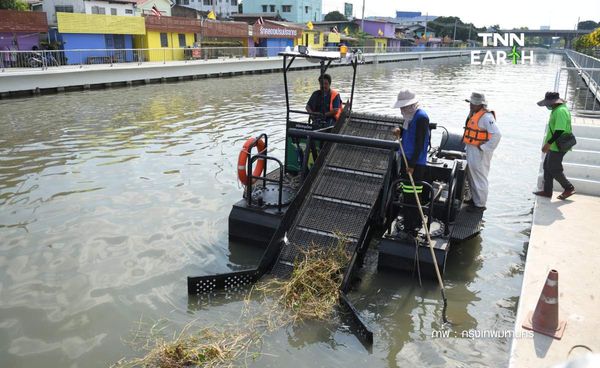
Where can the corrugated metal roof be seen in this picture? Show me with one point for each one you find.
(23, 21)
(173, 24)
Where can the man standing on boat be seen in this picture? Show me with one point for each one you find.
(415, 139)
(326, 101)
(481, 137)
(559, 127)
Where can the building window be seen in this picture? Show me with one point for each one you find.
(128, 11)
(306, 9)
(182, 40)
(272, 8)
(207, 2)
(164, 41)
(286, 8)
(186, 2)
(98, 10)
(317, 38)
(64, 9)
(113, 11)
(264, 8)
(234, 2)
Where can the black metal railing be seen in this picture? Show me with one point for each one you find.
(450, 199)
(251, 178)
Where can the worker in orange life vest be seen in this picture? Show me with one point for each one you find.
(326, 101)
(481, 137)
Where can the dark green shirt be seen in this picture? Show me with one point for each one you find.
(560, 119)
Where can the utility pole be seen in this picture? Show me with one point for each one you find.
(454, 37)
(362, 18)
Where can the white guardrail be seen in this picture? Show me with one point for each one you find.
(580, 83)
(48, 59)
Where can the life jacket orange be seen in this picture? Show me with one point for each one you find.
(332, 95)
(473, 134)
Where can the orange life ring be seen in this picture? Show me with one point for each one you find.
(243, 161)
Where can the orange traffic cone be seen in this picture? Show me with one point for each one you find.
(544, 318)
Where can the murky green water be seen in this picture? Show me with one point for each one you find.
(109, 199)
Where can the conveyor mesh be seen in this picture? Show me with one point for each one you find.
(343, 194)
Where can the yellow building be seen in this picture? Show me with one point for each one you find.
(319, 39)
(380, 44)
(313, 39)
(166, 38)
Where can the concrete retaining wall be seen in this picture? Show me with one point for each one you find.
(31, 82)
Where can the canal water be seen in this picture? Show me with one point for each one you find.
(109, 199)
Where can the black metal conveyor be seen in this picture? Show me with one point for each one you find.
(343, 195)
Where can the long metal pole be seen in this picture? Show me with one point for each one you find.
(287, 110)
(454, 37)
(354, 64)
(362, 18)
(426, 227)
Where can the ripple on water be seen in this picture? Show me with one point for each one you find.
(107, 204)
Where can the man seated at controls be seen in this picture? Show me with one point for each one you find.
(327, 102)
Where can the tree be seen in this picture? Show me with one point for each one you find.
(444, 26)
(14, 5)
(587, 24)
(335, 16)
(587, 42)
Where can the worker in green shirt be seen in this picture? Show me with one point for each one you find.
(559, 123)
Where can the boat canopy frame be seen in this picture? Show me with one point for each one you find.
(325, 59)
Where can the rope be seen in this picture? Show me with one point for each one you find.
(426, 227)
(416, 263)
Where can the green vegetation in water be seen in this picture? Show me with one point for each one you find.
(311, 293)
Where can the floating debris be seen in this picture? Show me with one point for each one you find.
(311, 292)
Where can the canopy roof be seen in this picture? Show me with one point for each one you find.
(312, 54)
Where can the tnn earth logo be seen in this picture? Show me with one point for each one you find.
(514, 56)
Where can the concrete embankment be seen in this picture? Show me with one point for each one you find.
(65, 78)
(564, 237)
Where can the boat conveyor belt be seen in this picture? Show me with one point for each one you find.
(343, 194)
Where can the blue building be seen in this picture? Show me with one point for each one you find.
(97, 38)
(298, 11)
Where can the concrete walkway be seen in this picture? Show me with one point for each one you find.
(65, 78)
(566, 237)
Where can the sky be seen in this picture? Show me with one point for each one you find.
(507, 13)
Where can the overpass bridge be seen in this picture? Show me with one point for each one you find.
(567, 34)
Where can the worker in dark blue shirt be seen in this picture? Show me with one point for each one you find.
(415, 140)
(326, 101)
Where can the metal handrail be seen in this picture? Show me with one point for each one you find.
(250, 178)
(265, 179)
(450, 199)
(249, 173)
(17, 59)
(588, 70)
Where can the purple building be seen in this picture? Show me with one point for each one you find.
(376, 27)
(384, 33)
